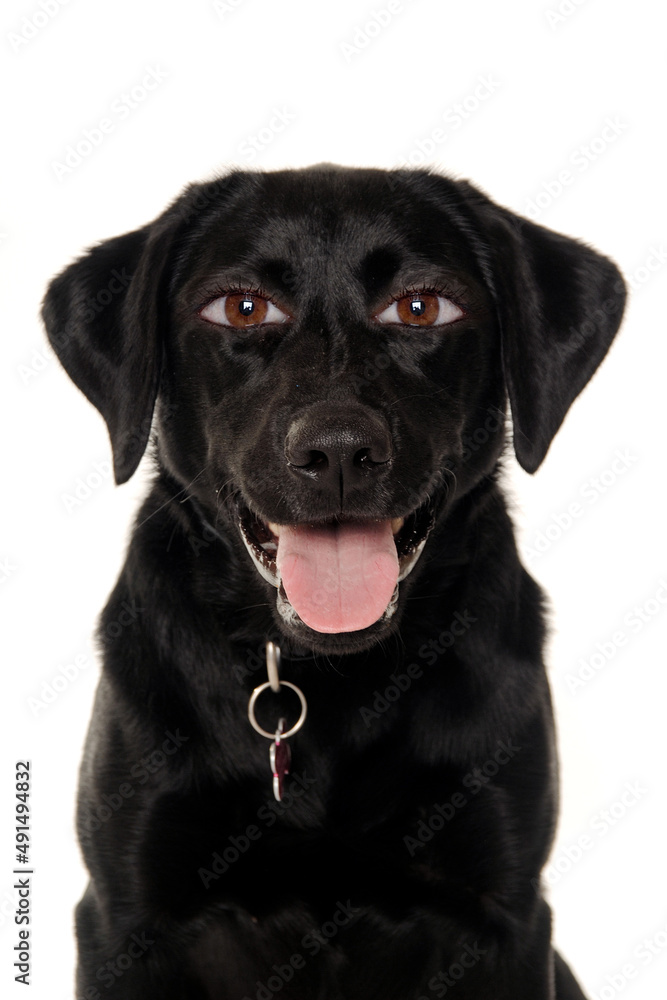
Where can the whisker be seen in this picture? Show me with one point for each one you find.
(162, 506)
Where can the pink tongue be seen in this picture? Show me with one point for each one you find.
(338, 578)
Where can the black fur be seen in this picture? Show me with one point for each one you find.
(405, 860)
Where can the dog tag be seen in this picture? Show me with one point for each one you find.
(280, 757)
(280, 754)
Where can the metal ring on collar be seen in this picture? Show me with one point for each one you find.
(251, 710)
(273, 665)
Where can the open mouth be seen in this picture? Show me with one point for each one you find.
(338, 575)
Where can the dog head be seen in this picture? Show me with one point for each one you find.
(331, 352)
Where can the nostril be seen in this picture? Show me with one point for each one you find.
(312, 461)
(366, 458)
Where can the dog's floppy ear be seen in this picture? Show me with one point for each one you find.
(559, 304)
(103, 316)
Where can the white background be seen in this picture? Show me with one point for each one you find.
(552, 84)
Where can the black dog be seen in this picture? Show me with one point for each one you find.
(330, 354)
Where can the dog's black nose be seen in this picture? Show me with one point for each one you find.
(338, 447)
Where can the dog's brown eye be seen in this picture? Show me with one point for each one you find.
(245, 310)
(420, 309)
(241, 310)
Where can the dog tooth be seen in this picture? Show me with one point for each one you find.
(285, 609)
(269, 575)
(396, 524)
(407, 563)
(274, 528)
